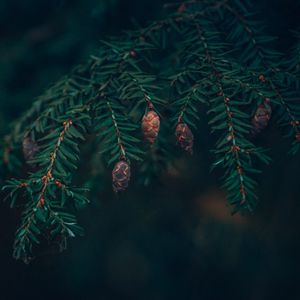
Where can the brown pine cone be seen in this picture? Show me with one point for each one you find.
(150, 126)
(120, 176)
(30, 148)
(185, 137)
(261, 118)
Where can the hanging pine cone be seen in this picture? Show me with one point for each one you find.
(150, 126)
(30, 148)
(120, 176)
(261, 117)
(185, 137)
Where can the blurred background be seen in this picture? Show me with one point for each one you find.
(174, 239)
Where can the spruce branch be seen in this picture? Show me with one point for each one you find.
(234, 148)
(117, 131)
(122, 88)
(41, 210)
(256, 53)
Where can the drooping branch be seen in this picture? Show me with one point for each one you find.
(254, 45)
(236, 157)
(149, 81)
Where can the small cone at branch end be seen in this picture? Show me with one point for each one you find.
(150, 126)
(30, 148)
(261, 118)
(120, 176)
(185, 137)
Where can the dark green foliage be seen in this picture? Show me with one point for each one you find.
(207, 56)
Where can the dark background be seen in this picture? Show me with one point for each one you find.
(173, 240)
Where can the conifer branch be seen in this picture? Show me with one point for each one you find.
(272, 75)
(41, 188)
(236, 155)
(119, 92)
(117, 131)
(48, 177)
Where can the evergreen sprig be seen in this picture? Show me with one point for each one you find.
(267, 64)
(44, 214)
(205, 56)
